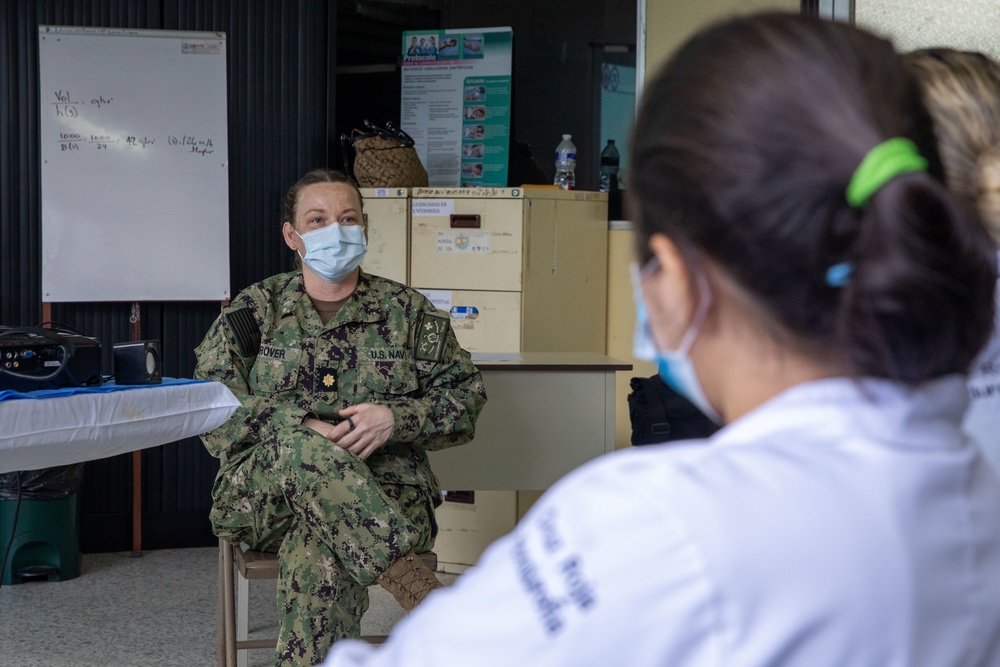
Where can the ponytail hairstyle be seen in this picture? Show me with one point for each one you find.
(961, 90)
(742, 152)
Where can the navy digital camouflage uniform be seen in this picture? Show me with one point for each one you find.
(336, 521)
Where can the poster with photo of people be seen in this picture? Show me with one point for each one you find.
(456, 92)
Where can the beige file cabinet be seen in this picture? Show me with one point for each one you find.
(388, 253)
(520, 270)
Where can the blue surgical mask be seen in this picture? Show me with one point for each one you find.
(332, 252)
(674, 366)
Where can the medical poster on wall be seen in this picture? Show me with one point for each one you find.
(456, 103)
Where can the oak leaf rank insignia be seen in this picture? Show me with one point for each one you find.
(327, 378)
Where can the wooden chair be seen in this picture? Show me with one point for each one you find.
(234, 606)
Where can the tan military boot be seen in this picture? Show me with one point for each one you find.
(409, 580)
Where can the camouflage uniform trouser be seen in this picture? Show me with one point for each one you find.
(334, 527)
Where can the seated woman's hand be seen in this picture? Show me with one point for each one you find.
(364, 428)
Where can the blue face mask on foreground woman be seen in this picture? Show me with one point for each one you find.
(674, 366)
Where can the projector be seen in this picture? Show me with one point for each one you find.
(33, 358)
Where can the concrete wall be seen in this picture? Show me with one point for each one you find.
(970, 25)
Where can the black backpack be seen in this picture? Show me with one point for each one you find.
(659, 414)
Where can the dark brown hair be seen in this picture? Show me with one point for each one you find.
(742, 151)
(313, 177)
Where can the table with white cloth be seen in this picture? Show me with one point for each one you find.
(49, 428)
(60, 427)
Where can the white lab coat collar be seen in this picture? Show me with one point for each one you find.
(890, 413)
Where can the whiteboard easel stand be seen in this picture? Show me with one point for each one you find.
(115, 140)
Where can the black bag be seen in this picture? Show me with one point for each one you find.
(44, 484)
(659, 414)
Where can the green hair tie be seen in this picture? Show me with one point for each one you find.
(883, 163)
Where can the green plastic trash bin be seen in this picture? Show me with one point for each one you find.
(46, 543)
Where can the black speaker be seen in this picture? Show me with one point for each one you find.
(138, 362)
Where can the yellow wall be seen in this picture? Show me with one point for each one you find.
(621, 325)
(670, 23)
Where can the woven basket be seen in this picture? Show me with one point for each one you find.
(384, 158)
(383, 163)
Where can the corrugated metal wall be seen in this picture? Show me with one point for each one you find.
(281, 102)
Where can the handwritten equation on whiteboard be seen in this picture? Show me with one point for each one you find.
(86, 110)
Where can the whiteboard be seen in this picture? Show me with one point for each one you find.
(135, 185)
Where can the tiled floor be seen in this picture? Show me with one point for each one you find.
(155, 611)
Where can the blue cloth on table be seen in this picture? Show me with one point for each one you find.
(9, 395)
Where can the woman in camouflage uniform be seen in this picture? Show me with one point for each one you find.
(346, 380)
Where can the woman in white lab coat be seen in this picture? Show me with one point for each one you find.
(804, 276)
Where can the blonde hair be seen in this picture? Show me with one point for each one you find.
(961, 90)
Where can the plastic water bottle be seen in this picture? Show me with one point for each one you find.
(610, 161)
(566, 163)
